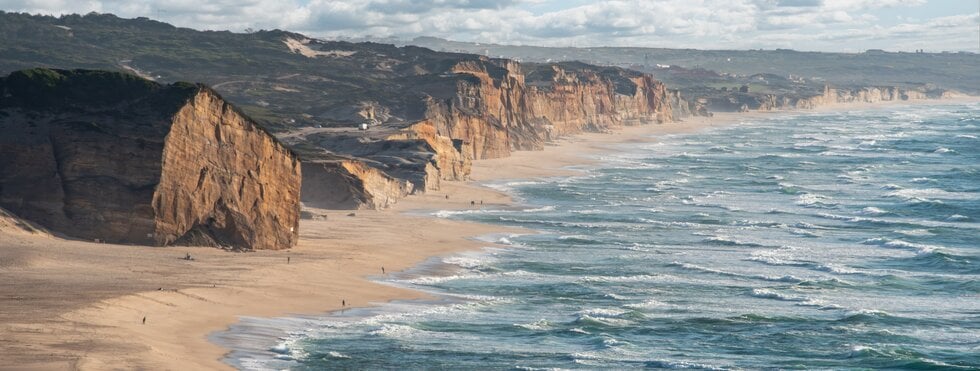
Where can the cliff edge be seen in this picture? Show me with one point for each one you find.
(116, 158)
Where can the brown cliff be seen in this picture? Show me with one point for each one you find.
(113, 157)
(871, 94)
(481, 108)
(350, 185)
(827, 96)
(499, 108)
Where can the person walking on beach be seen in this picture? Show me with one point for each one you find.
(382, 269)
(144, 320)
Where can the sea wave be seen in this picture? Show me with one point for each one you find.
(539, 325)
(435, 280)
(929, 194)
(633, 278)
(770, 294)
(915, 232)
(895, 243)
(580, 238)
(510, 186)
(900, 359)
(647, 304)
(730, 241)
(681, 365)
(698, 268)
(469, 262)
(871, 210)
(815, 200)
(854, 219)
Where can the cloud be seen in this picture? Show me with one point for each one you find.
(799, 3)
(798, 24)
(426, 6)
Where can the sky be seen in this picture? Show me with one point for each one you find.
(817, 25)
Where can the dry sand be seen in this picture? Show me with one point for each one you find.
(68, 304)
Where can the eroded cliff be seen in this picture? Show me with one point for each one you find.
(498, 108)
(349, 185)
(740, 102)
(116, 158)
(481, 108)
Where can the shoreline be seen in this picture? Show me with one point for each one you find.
(74, 304)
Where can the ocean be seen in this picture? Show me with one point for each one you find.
(820, 240)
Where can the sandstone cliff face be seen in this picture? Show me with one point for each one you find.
(451, 159)
(477, 108)
(224, 181)
(494, 110)
(871, 94)
(683, 107)
(350, 185)
(489, 110)
(498, 110)
(113, 157)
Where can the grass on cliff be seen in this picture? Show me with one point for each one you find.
(53, 90)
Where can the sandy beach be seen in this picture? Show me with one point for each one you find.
(69, 304)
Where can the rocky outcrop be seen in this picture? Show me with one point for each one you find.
(683, 107)
(350, 185)
(116, 158)
(872, 94)
(571, 98)
(450, 159)
(492, 109)
(499, 108)
(741, 102)
(485, 108)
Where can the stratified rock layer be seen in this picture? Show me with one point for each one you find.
(480, 108)
(495, 107)
(113, 157)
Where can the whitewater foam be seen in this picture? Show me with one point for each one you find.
(815, 200)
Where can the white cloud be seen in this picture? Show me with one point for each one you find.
(798, 24)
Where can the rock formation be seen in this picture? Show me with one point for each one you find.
(742, 102)
(350, 184)
(480, 108)
(116, 158)
(429, 113)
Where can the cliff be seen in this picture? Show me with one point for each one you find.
(740, 102)
(481, 108)
(349, 185)
(429, 113)
(498, 108)
(871, 94)
(113, 157)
